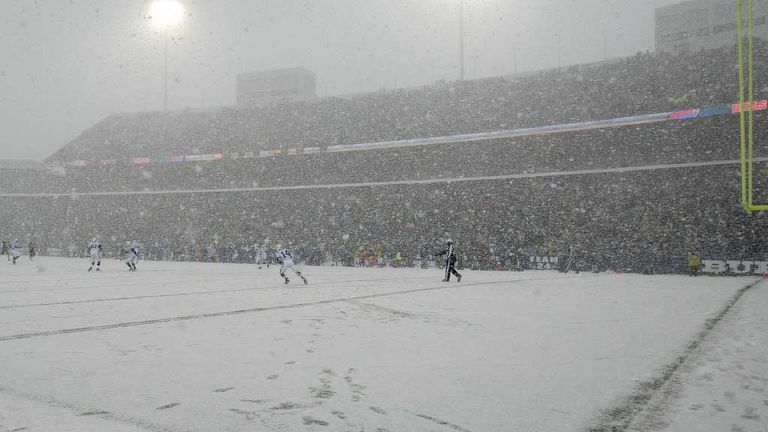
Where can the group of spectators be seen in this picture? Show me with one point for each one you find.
(642, 84)
(602, 199)
(690, 141)
(646, 220)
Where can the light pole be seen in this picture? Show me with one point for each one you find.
(165, 14)
(165, 74)
(514, 59)
(461, 40)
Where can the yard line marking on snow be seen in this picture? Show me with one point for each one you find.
(84, 411)
(101, 275)
(265, 309)
(174, 281)
(89, 287)
(182, 282)
(386, 183)
(182, 294)
(619, 418)
(82, 287)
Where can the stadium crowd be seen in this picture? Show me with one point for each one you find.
(643, 220)
(691, 141)
(642, 84)
(603, 196)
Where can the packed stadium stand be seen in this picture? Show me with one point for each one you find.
(641, 84)
(636, 198)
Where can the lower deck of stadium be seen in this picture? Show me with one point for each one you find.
(208, 346)
(643, 218)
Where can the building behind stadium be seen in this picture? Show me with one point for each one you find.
(703, 24)
(263, 88)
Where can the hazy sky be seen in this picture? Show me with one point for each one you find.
(66, 64)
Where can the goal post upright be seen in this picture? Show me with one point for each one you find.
(742, 117)
(750, 101)
(746, 108)
(751, 141)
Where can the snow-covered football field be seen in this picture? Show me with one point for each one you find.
(225, 347)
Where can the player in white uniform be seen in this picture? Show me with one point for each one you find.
(94, 251)
(132, 256)
(15, 251)
(284, 257)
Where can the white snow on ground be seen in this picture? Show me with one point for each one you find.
(724, 385)
(220, 347)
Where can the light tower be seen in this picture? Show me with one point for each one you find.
(461, 40)
(166, 14)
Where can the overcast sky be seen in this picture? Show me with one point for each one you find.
(66, 64)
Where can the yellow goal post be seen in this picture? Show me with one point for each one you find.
(746, 104)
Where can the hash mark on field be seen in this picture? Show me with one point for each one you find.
(222, 390)
(93, 413)
(255, 401)
(443, 423)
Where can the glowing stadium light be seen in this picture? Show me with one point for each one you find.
(166, 13)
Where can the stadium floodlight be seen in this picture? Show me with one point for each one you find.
(166, 13)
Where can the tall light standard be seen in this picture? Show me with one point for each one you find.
(166, 14)
(461, 40)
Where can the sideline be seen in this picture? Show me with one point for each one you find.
(620, 417)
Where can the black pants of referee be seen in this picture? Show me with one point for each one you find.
(450, 268)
